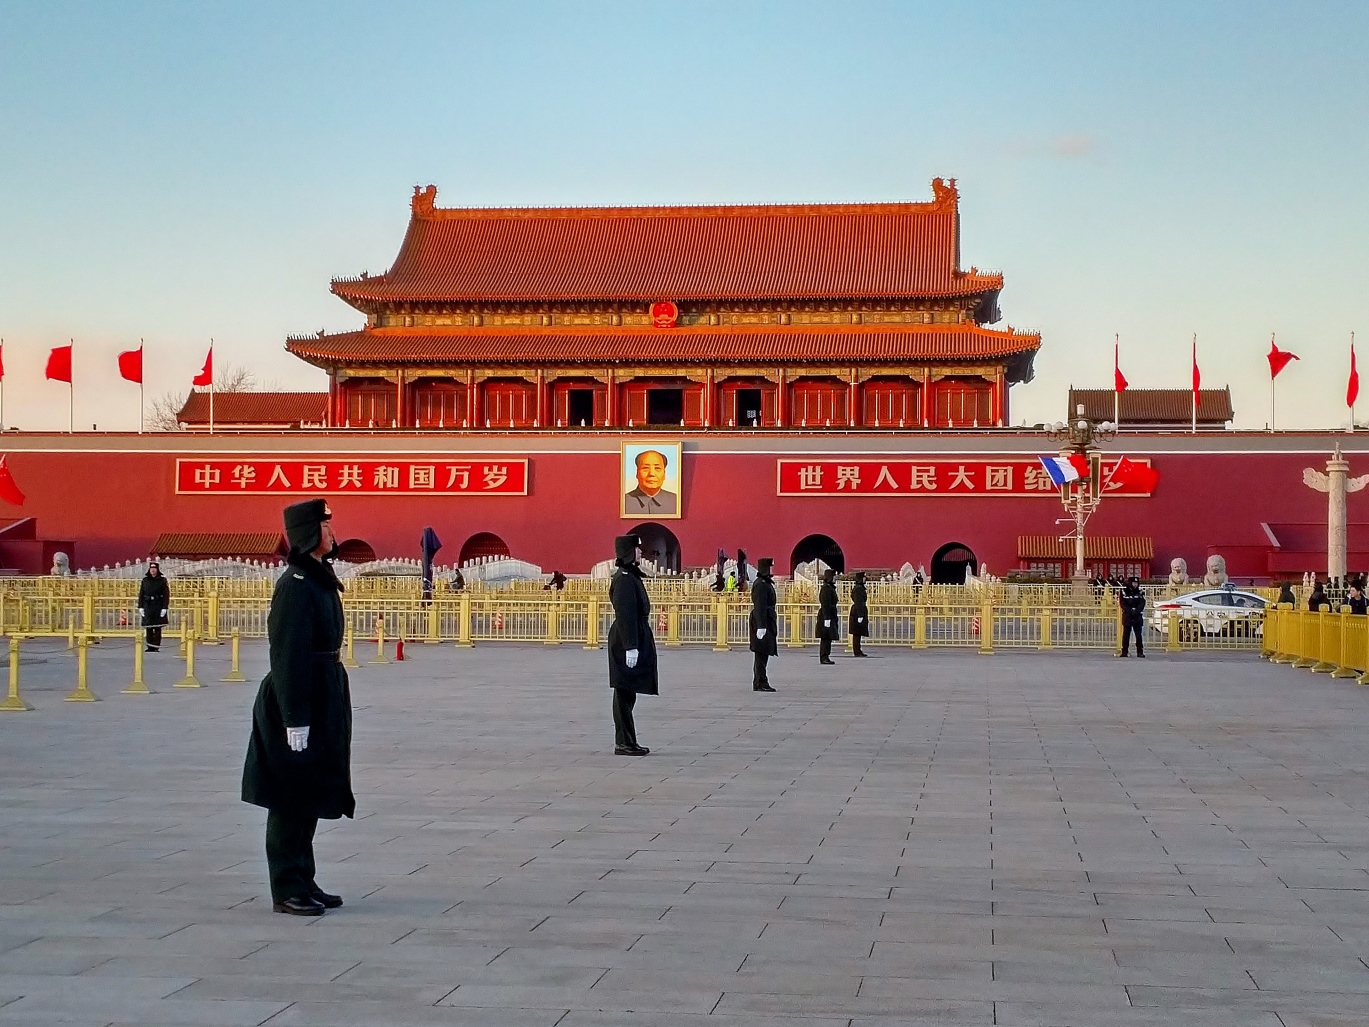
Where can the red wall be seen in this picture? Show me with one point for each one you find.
(113, 505)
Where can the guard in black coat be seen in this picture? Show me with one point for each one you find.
(1133, 602)
(299, 760)
(631, 645)
(859, 624)
(764, 623)
(829, 625)
(154, 599)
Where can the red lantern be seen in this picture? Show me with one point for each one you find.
(664, 314)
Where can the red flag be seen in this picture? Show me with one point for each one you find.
(59, 364)
(1129, 472)
(1352, 389)
(1197, 376)
(206, 375)
(131, 365)
(2, 360)
(9, 491)
(1119, 381)
(1279, 359)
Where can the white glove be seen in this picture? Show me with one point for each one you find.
(827, 624)
(760, 632)
(163, 613)
(297, 738)
(860, 620)
(630, 658)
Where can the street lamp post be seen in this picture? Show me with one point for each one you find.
(1081, 497)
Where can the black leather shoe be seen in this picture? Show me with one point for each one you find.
(630, 750)
(327, 901)
(829, 663)
(761, 688)
(299, 907)
(1141, 656)
(640, 750)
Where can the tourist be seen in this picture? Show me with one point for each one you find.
(557, 582)
(731, 585)
(859, 624)
(1318, 597)
(631, 645)
(1356, 601)
(1133, 603)
(299, 758)
(827, 615)
(743, 578)
(154, 599)
(764, 624)
(1286, 596)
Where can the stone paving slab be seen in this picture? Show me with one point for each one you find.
(919, 838)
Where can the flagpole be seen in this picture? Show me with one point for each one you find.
(140, 386)
(1116, 396)
(1194, 427)
(2, 385)
(1272, 376)
(71, 390)
(1352, 405)
(211, 386)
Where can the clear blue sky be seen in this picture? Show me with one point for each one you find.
(178, 171)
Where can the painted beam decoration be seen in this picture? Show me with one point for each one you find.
(942, 477)
(402, 476)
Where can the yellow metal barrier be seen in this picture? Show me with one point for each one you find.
(137, 686)
(190, 680)
(14, 702)
(82, 692)
(235, 674)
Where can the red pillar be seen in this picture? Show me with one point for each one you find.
(612, 399)
(851, 401)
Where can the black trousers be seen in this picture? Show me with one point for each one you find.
(624, 727)
(1132, 627)
(758, 677)
(855, 645)
(825, 647)
(290, 855)
(154, 636)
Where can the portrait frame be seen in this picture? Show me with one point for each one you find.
(633, 503)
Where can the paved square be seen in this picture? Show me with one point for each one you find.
(920, 838)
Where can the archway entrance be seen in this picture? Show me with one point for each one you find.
(355, 550)
(818, 547)
(659, 545)
(950, 562)
(483, 543)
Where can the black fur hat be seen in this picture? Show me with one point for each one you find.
(625, 548)
(303, 524)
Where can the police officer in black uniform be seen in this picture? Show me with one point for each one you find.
(859, 625)
(828, 625)
(299, 759)
(154, 598)
(1133, 602)
(764, 623)
(631, 645)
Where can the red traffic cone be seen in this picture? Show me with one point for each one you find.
(399, 650)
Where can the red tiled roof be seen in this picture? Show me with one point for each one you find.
(1096, 547)
(1168, 406)
(814, 251)
(752, 344)
(286, 408)
(208, 545)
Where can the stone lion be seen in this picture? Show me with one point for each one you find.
(1178, 571)
(1216, 571)
(61, 565)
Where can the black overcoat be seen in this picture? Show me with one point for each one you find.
(154, 596)
(763, 616)
(307, 685)
(1133, 603)
(829, 621)
(860, 613)
(631, 630)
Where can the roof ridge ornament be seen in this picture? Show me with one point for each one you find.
(425, 199)
(945, 195)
